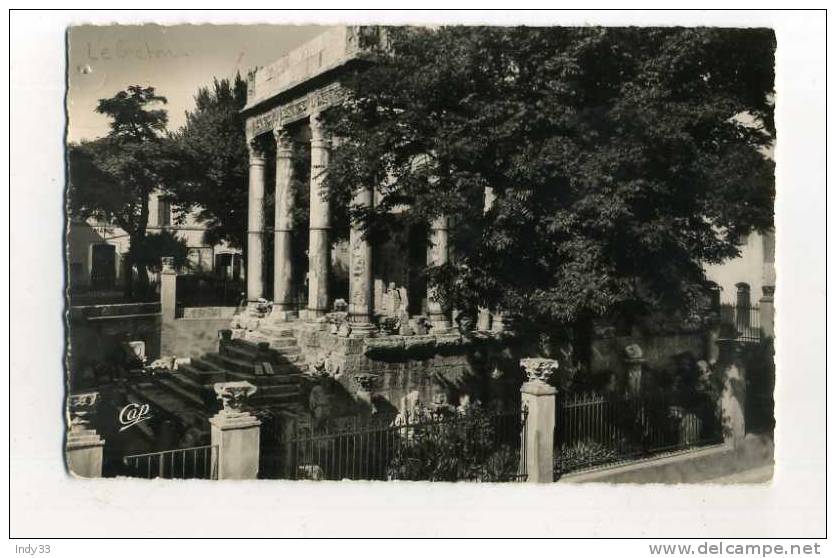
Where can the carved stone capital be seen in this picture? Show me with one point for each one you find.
(284, 142)
(539, 369)
(233, 395)
(167, 265)
(256, 152)
(633, 354)
(319, 136)
(82, 407)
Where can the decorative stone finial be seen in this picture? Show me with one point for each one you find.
(539, 369)
(234, 394)
(82, 408)
(633, 353)
(167, 264)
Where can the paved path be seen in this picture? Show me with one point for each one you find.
(760, 474)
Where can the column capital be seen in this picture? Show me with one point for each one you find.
(284, 141)
(319, 136)
(256, 152)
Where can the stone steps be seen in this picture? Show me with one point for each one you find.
(236, 359)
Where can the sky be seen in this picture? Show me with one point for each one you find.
(176, 60)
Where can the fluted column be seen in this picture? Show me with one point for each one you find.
(319, 257)
(282, 261)
(361, 299)
(255, 225)
(437, 255)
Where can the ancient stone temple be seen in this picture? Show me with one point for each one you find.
(387, 325)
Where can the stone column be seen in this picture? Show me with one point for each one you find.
(437, 255)
(168, 289)
(283, 227)
(235, 433)
(255, 225)
(319, 249)
(767, 312)
(538, 398)
(85, 448)
(483, 320)
(733, 399)
(361, 298)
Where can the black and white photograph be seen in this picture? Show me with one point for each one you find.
(419, 254)
(493, 254)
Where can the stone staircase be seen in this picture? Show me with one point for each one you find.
(269, 358)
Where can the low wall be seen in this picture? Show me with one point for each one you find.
(425, 367)
(703, 465)
(191, 337)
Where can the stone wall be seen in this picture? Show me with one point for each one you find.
(191, 337)
(429, 368)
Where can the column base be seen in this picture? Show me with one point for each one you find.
(282, 315)
(362, 329)
(439, 326)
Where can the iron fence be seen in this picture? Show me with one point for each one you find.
(199, 462)
(436, 446)
(593, 430)
(746, 320)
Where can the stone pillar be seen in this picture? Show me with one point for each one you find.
(360, 295)
(633, 362)
(767, 312)
(255, 225)
(732, 402)
(85, 448)
(235, 433)
(168, 289)
(283, 227)
(319, 249)
(483, 319)
(437, 255)
(538, 397)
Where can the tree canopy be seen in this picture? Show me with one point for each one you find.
(111, 178)
(213, 161)
(621, 159)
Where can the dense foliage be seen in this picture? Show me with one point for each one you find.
(621, 159)
(213, 162)
(111, 178)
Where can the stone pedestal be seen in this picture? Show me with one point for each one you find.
(483, 319)
(767, 312)
(283, 229)
(255, 225)
(360, 295)
(437, 255)
(500, 322)
(235, 433)
(85, 448)
(633, 363)
(538, 397)
(733, 398)
(319, 247)
(168, 290)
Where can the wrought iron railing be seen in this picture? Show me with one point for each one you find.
(436, 446)
(593, 430)
(198, 462)
(745, 319)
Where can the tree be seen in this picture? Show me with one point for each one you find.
(111, 178)
(213, 162)
(622, 159)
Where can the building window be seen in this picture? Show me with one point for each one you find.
(163, 212)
